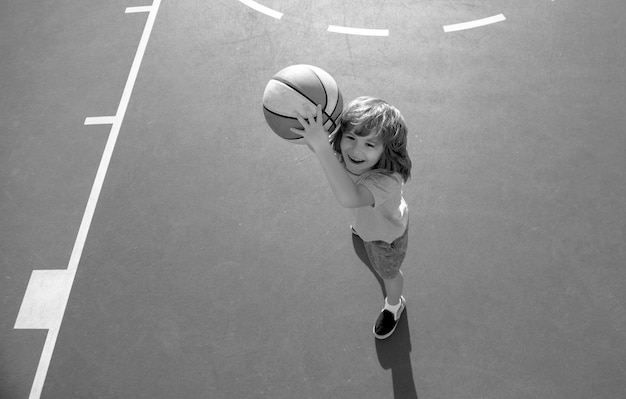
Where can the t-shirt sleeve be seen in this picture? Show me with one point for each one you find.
(382, 186)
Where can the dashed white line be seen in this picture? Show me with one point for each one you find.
(358, 31)
(262, 9)
(372, 32)
(474, 24)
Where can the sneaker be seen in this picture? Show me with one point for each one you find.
(386, 323)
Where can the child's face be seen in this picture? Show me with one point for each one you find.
(360, 154)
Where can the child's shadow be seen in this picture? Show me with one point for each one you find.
(393, 352)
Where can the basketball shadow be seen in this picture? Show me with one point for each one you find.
(394, 352)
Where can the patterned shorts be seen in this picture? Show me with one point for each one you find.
(387, 258)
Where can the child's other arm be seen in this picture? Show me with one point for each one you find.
(348, 194)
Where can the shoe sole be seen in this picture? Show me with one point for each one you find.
(394, 327)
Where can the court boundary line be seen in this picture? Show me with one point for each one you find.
(357, 31)
(32, 301)
(474, 24)
(378, 32)
(262, 9)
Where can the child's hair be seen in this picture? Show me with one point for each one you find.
(367, 114)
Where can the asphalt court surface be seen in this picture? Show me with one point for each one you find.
(218, 263)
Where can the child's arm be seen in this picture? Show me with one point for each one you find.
(348, 194)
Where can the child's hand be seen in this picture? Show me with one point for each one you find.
(314, 134)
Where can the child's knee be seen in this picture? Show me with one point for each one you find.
(390, 274)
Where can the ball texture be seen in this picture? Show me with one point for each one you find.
(294, 88)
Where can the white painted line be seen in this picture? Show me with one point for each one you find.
(44, 364)
(81, 237)
(43, 307)
(474, 24)
(130, 10)
(262, 9)
(100, 120)
(358, 31)
(110, 145)
(45, 299)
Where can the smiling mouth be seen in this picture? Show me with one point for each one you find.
(355, 161)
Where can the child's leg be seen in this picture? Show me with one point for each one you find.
(393, 287)
(386, 259)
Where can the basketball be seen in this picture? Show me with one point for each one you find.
(292, 89)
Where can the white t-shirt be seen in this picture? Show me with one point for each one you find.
(387, 219)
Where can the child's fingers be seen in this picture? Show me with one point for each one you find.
(301, 119)
(309, 115)
(304, 124)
